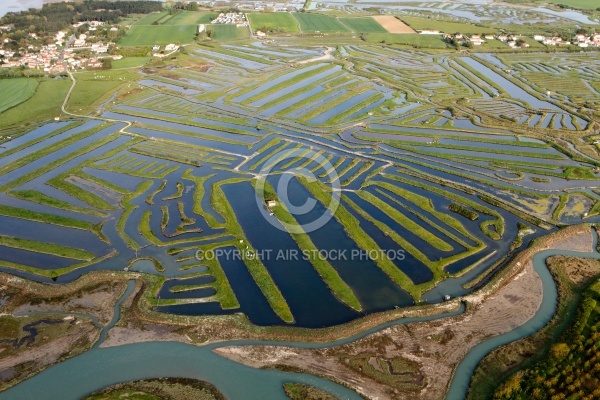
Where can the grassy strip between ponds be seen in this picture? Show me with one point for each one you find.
(225, 294)
(41, 139)
(31, 157)
(199, 193)
(56, 163)
(427, 205)
(564, 198)
(257, 269)
(53, 273)
(41, 198)
(98, 181)
(327, 272)
(128, 208)
(60, 182)
(45, 218)
(404, 221)
(425, 219)
(498, 221)
(177, 194)
(289, 82)
(150, 198)
(362, 239)
(46, 248)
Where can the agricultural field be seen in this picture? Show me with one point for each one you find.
(418, 23)
(581, 4)
(164, 28)
(363, 25)
(44, 104)
(319, 23)
(281, 22)
(228, 32)
(16, 91)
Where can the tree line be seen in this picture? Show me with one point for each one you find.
(56, 16)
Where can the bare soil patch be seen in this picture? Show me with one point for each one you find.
(393, 24)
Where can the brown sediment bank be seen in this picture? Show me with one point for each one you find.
(427, 352)
(42, 324)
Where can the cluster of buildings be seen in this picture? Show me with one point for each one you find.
(168, 49)
(271, 7)
(512, 41)
(581, 40)
(48, 57)
(515, 41)
(238, 19)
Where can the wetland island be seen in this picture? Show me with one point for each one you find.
(299, 200)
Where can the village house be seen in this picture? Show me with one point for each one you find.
(476, 40)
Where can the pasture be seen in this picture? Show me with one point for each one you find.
(363, 25)
(319, 23)
(45, 103)
(159, 34)
(228, 32)
(583, 4)
(418, 23)
(409, 39)
(164, 28)
(16, 91)
(281, 22)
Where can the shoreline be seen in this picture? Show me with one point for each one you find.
(503, 305)
(515, 286)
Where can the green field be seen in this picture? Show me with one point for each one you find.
(281, 22)
(227, 32)
(159, 34)
(409, 39)
(363, 25)
(188, 18)
(153, 17)
(16, 91)
(44, 104)
(447, 27)
(583, 4)
(130, 62)
(495, 44)
(93, 86)
(164, 28)
(319, 23)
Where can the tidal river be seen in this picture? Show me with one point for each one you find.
(101, 367)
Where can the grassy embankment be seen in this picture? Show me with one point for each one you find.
(128, 208)
(362, 239)
(35, 196)
(178, 192)
(498, 221)
(257, 269)
(327, 272)
(199, 193)
(46, 248)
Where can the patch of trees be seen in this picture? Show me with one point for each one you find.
(56, 16)
(191, 6)
(571, 370)
(20, 72)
